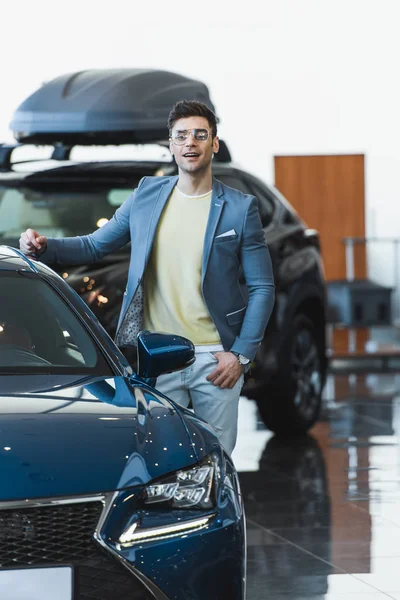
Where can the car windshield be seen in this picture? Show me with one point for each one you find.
(40, 332)
(65, 212)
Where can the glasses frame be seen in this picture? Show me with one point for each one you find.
(191, 132)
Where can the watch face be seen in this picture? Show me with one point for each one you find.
(243, 360)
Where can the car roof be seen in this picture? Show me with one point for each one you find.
(61, 171)
(12, 259)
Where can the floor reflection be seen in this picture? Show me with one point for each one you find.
(323, 510)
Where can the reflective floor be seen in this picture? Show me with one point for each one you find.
(323, 511)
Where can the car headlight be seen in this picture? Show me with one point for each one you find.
(135, 535)
(195, 487)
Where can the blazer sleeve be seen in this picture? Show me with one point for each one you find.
(257, 269)
(85, 249)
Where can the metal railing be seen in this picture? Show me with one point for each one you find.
(351, 242)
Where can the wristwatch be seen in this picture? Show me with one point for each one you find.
(242, 359)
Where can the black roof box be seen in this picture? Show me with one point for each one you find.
(104, 106)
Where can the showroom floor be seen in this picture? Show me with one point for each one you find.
(323, 511)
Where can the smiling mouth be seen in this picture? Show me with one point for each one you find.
(191, 155)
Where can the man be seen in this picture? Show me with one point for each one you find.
(189, 236)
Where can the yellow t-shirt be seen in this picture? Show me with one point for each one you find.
(173, 301)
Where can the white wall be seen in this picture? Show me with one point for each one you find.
(286, 76)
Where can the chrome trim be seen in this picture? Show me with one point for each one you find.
(108, 500)
(39, 502)
(25, 258)
(149, 585)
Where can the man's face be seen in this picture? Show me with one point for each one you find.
(193, 156)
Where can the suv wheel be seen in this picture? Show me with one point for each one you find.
(292, 400)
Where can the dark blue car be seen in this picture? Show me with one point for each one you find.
(109, 490)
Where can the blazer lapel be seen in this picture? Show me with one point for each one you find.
(216, 207)
(158, 207)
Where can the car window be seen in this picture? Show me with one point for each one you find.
(234, 182)
(290, 218)
(56, 212)
(39, 331)
(266, 206)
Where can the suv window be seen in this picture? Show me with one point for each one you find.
(234, 182)
(290, 219)
(266, 206)
(73, 210)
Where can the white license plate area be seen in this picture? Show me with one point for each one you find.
(37, 584)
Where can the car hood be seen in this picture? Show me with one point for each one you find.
(60, 436)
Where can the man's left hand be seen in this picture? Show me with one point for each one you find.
(228, 371)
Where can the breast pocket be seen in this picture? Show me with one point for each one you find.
(225, 238)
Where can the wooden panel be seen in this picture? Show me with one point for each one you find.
(328, 192)
(340, 343)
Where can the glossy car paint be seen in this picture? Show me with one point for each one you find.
(72, 437)
(112, 425)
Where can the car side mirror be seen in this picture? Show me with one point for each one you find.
(159, 353)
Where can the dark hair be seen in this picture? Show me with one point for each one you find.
(192, 108)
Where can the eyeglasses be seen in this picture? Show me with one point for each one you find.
(179, 136)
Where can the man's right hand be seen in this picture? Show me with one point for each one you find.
(31, 242)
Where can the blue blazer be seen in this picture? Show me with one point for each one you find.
(240, 316)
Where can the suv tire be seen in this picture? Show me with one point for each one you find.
(292, 400)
